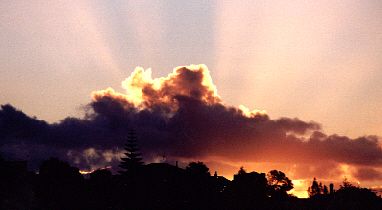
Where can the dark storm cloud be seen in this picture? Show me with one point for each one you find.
(180, 116)
(368, 174)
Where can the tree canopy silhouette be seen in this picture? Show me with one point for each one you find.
(198, 168)
(60, 186)
(279, 184)
(163, 186)
(247, 190)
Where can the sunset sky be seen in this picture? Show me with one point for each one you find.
(318, 61)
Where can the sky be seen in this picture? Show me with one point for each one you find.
(316, 61)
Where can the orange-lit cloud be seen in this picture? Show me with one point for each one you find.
(190, 95)
(318, 155)
(182, 117)
(145, 93)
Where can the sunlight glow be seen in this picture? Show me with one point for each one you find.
(141, 87)
(251, 113)
(300, 188)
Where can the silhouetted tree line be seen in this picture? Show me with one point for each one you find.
(59, 186)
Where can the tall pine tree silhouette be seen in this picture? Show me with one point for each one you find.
(133, 158)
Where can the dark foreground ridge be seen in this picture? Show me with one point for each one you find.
(58, 186)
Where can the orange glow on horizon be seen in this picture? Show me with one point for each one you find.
(85, 172)
(300, 187)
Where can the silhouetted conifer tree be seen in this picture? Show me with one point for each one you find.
(133, 158)
(314, 189)
(241, 171)
(331, 186)
(325, 190)
(346, 184)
